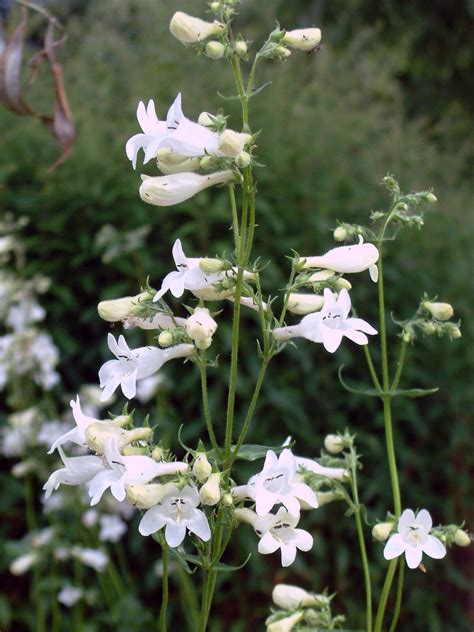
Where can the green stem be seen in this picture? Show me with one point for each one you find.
(383, 331)
(189, 600)
(372, 371)
(398, 603)
(205, 402)
(242, 93)
(164, 594)
(235, 219)
(400, 363)
(384, 596)
(392, 462)
(363, 551)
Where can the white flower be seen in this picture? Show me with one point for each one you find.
(275, 484)
(177, 133)
(77, 470)
(190, 30)
(329, 325)
(178, 187)
(159, 321)
(302, 39)
(277, 531)
(118, 471)
(200, 327)
(290, 597)
(78, 434)
(304, 303)
(112, 528)
(132, 365)
(232, 143)
(168, 162)
(178, 511)
(286, 624)
(337, 473)
(413, 539)
(95, 558)
(347, 259)
(210, 492)
(147, 388)
(23, 563)
(69, 595)
(440, 311)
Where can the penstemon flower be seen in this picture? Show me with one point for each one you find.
(329, 325)
(178, 187)
(177, 133)
(76, 471)
(178, 511)
(190, 30)
(134, 364)
(347, 259)
(276, 484)
(414, 539)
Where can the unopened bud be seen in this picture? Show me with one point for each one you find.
(215, 50)
(165, 339)
(451, 330)
(304, 303)
(210, 265)
(205, 119)
(120, 308)
(382, 530)
(324, 498)
(134, 451)
(282, 52)
(22, 564)
(343, 284)
(232, 143)
(286, 624)
(215, 6)
(290, 597)
(158, 453)
(427, 327)
(200, 327)
(340, 233)
(241, 48)
(431, 198)
(202, 469)
(440, 311)
(210, 492)
(461, 538)
(322, 275)
(243, 159)
(408, 335)
(333, 444)
(303, 39)
(190, 30)
(207, 162)
(227, 500)
(146, 496)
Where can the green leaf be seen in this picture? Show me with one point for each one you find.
(415, 392)
(197, 561)
(183, 560)
(248, 452)
(368, 392)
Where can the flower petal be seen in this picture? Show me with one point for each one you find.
(288, 554)
(434, 547)
(175, 534)
(413, 555)
(199, 525)
(302, 539)
(406, 519)
(152, 521)
(394, 547)
(331, 338)
(424, 519)
(267, 544)
(356, 336)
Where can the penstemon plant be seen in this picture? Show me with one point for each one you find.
(192, 506)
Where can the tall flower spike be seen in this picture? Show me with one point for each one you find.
(134, 364)
(329, 325)
(413, 539)
(179, 187)
(347, 259)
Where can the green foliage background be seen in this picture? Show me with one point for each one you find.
(388, 93)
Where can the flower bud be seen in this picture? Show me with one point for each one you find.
(120, 308)
(324, 498)
(322, 275)
(343, 284)
(431, 198)
(190, 30)
(200, 327)
(302, 39)
(215, 6)
(440, 311)
(382, 530)
(157, 453)
(23, 563)
(179, 187)
(134, 451)
(165, 339)
(304, 303)
(227, 500)
(333, 444)
(146, 496)
(427, 327)
(282, 52)
(286, 624)
(210, 265)
(451, 330)
(241, 48)
(290, 597)
(97, 435)
(243, 514)
(205, 119)
(215, 50)
(461, 538)
(210, 492)
(340, 233)
(408, 335)
(202, 469)
(232, 143)
(169, 162)
(243, 159)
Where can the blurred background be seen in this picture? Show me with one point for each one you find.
(390, 92)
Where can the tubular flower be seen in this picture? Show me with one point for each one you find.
(329, 325)
(347, 259)
(302, 39)
(178, 511)
(190, 30)
(177, 133)
(179, 187)
(76, 471)
(413, 539)
(78, 434)
(134, 364)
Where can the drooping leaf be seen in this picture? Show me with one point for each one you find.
(10, 70)
(415, 392)
(368, 392)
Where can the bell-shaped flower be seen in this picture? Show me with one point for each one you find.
(118, 471)
(414, 539)
(177, 133)
(277, 531)
(178, 187)
(276, 484)
(134, 364)
(201, 327)
(347, 259)
(329, 325)
(76, 435)
(178, 512)
(190, 30)
(76, 471)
